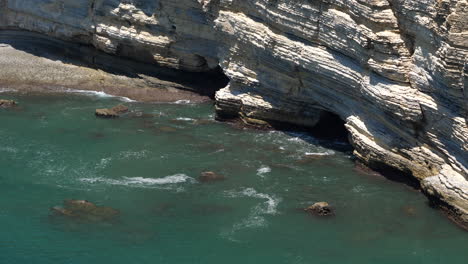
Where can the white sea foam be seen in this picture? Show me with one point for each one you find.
(296, 143)
(327, 153)
(104, 162)
(6, 90)
(182, 102)
(295, 139)
(253, 221)
(140, 181)
(133, 154)
(8, 149)
(358, 189)
(269, 207)
(185, 119)
(263, 170)
(100, 94)
(256, 218)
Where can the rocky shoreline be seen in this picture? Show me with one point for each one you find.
(394, 71)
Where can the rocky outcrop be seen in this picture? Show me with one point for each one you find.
(320, 209)
(393, 70)
(113, 112)
(210, 176)
(7, 103)
(82, 210)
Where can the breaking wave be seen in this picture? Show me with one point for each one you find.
(140, 181)
(327, 153)
(100, 94)
(268, 207)
(185, 119)
(256, 217)
(6, 90)
(182, 102)
(263, 170)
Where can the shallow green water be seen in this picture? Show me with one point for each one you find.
(53, 148)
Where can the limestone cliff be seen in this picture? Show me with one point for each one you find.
(394, 70)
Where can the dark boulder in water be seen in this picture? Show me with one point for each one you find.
(104, 213)
(209, 176)
(113, 112)
(7, 103)
(85, 211)
(320, 209)
(81, 205)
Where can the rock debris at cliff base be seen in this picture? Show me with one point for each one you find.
(394, 70)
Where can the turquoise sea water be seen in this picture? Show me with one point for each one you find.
(53, 148)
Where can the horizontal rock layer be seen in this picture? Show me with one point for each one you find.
(394, 70)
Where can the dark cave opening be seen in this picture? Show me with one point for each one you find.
(212, 81)
(330, 127)
(330, 132)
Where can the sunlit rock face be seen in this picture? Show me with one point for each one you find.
(393, 70)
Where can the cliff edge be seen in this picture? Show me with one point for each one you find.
(395, 71)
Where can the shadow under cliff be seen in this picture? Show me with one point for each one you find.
(203, 83)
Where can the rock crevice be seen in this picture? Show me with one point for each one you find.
(394, 70)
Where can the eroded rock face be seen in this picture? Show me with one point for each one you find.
(393, 70)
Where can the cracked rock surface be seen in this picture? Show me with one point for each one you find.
(394, 70)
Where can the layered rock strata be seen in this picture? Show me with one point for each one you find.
(394, 70)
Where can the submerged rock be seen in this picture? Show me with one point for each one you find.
(7, 103)
(85, 211)
(167, 129)
(79, 205)
(203, 122)
(104, 213)
(311, 158)
(113, 112)
(320, 209)
(147, 124)
(97, 135)
(177, 121)
(409, 210)
(62, 211)
(361, 168)
(143, 115)
(209, 176)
